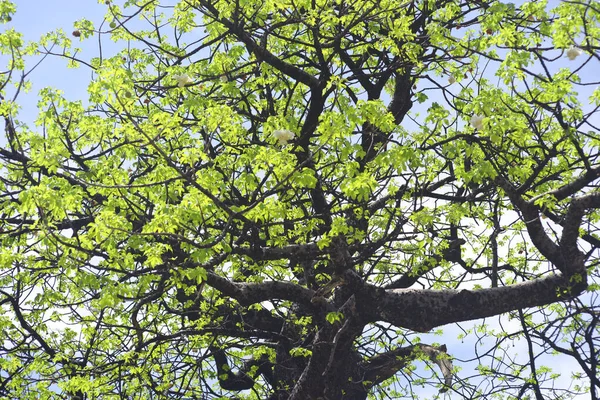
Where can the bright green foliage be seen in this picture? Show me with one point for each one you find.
(157, 240)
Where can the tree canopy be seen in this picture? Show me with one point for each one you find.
(276, 199)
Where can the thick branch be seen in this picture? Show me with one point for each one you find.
(575, 186)
(333, 360)
(573, 220)
(532, 220)
(251, 293)
(240, 380)
(423, 310)
(384, 366)
(401, 102)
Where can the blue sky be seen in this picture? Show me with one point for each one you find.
(33, 19)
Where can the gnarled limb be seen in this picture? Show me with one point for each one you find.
(385, 365)
(242, 380)
(252, 293)
(423, 310)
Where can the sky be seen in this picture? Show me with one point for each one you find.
(36, 17)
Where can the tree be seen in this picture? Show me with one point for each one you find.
(269, 199)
